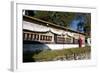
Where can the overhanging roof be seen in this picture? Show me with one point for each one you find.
(32, 19)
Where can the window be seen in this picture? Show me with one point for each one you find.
(29, 38)
(23, 36)
(41, 37)
(45, 38)
(49, 38)
(37, 37)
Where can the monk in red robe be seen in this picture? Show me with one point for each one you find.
(80, 42)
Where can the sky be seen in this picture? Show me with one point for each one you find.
(75, 23)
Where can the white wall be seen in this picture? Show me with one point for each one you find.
(5, 36)
(61, 46)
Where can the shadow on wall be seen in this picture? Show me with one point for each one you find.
(31, 48)
(34, 46)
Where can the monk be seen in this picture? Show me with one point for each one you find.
(80, 42)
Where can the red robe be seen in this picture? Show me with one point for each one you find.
(80, 42)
